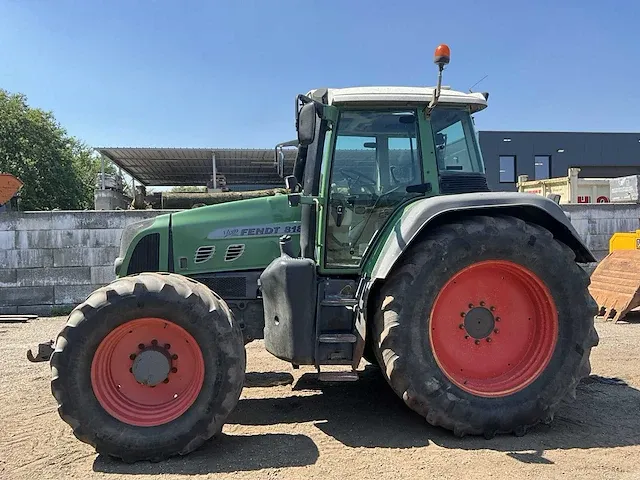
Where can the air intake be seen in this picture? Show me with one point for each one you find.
(234, 252)
(204, 253)
(463, 183)
(146, 255)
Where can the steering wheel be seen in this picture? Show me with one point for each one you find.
(354, 175)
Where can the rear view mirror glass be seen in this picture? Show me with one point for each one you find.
(307, 124)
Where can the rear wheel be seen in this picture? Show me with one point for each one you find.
(148, 367)
(486, 326)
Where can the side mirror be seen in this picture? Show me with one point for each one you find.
(307, 124)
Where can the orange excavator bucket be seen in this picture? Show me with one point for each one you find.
(9, 186)
(615, 284)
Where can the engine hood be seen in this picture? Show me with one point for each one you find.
(238, 235)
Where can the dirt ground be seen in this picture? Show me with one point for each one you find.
(288, 426)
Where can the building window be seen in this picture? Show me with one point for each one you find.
(542, 167)
(507, 169)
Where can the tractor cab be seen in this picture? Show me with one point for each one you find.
(365, 155)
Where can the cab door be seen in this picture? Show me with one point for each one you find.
(374, 162)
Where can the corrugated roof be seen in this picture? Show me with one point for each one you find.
(192, 166)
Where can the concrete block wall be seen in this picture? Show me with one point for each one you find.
(597, 222)
(54, 260)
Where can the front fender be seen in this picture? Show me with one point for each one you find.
(441, 209)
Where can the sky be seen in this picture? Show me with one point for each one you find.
(187, 73)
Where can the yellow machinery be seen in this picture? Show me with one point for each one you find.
(615, 283)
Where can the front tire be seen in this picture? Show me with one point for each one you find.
(148, 367)
(485, 326)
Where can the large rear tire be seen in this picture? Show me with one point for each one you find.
(486, 326)
(148, 367)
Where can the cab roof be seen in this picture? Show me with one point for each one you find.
(398, 95)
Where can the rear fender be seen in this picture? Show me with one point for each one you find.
(434, 211)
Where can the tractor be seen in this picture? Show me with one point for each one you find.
(386, 245)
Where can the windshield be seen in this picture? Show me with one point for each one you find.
(456, 144)
(376, 158)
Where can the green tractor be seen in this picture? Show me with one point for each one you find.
(388, 245)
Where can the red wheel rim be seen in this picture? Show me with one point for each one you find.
(500, 358)
(134, 403)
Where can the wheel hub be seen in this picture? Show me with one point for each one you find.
(151, 367)
(479, 322)
(493, 328)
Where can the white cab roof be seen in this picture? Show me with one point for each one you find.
(401, 95)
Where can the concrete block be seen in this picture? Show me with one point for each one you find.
(608, 226)
(102, 275)
(8, 221)
(52, 238)
(581, 225)
(25, 221)
(72, 294)
(33, 239)
(33, 221)
(603, 210)
(85, 256)
(9, 310)
(29, 258)
(102, 220)
(104, 237)
(69, 238)
(8, 277)
(7, 240)
(54, 276)
(87, 220)
(11, 296)
(597, 242)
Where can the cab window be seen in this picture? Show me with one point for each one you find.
(454, 138)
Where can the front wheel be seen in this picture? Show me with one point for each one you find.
(486, 326)
(148, 367)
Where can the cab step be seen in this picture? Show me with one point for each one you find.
(339, 376)
(339, 302)
(337, 338)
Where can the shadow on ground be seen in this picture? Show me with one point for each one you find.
(225, 454)
(369, 414)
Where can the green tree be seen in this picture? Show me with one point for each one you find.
(57, 170)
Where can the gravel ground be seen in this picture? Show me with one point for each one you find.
(288, 426)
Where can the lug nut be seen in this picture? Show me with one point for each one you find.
(497, 319)
(462, 314)
(492, 308)
(482, 304)
(461, 326)
(466, 337)
(131, 370)
(174, 370)
(477, 342)
(132, 356)
(154, 342)
(488, 339)
(174, 357)
(496, 331)
(167, 346)
(166, 380)
(471, 305)
(141, 346)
